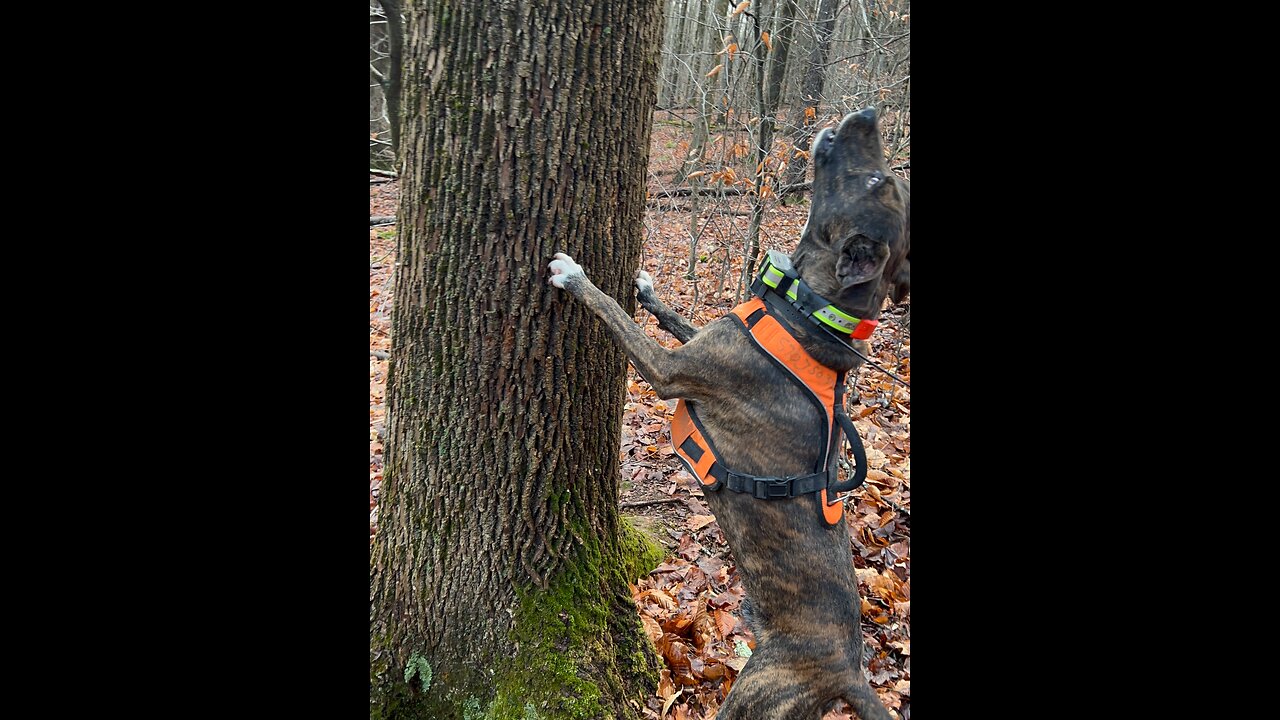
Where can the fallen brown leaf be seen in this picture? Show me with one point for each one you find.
(697, 522)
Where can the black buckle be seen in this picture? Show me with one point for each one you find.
(768, 488)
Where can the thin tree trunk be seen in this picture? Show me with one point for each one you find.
(498, 578)
(811, 89)
(666, 72)
(690, 46)
(768, 89)
(705, 88)
(391, 89)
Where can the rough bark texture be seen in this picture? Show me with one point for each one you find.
(498, 575)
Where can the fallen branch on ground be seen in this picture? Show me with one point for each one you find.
(641, 503)
(381, 220)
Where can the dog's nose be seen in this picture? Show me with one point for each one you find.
(864, 120)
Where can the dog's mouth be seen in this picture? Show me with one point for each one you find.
(823, 142)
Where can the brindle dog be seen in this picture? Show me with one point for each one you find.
(802, 595)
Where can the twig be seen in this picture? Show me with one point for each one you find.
(895, 506)
(641, 503)
(688, 208)
(382, 220)
(730, 191)
(384, 173)
(379, 354)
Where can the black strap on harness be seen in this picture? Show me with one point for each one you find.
(859, 456)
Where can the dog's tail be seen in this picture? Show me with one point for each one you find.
(865, 703)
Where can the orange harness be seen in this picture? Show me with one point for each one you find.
(824, 387)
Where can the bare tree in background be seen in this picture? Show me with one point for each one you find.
(806, 119)
(386, 43)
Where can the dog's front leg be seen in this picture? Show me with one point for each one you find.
(656, 364)
(668, 319)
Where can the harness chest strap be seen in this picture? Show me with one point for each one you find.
(823, 384)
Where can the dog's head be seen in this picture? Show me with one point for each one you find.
(856, 246)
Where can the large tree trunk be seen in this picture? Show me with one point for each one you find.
(498, 578)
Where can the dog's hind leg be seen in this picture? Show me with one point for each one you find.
(668, 319)
(770, 689)
(864, 701)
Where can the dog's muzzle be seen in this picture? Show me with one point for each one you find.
(826, 139)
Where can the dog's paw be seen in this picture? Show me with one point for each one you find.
(644, 282)
(563, 268)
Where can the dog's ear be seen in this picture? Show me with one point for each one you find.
(862, 260)
(902, 280)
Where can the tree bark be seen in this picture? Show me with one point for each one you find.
(498, 578)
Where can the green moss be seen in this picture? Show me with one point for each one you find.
(639, 550)
(579, 651)
(579, 645)
(418, 666)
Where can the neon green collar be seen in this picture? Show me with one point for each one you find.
(776, 273)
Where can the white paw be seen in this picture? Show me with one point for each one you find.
(643, 281)
(563, 268)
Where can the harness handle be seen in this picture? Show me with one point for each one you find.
(859, 456)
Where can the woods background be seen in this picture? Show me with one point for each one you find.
(742, 88)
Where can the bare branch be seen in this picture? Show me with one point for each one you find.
(642, 503)
(726, 192)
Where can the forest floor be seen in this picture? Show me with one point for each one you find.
(690, 604)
